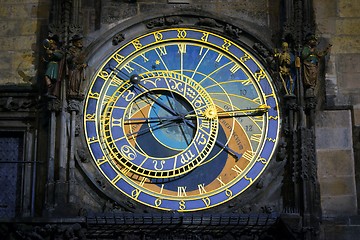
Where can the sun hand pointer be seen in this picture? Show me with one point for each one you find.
(260, 109)
(211, 113)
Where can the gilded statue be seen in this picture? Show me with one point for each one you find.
(286, 66)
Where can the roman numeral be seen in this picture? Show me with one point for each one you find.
(235, 68)
(256, 137)
(182, 48)
(201, 188)
(162, 50)
(181, 191)
(237, 169)
(248, 155)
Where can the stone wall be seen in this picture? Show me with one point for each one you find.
(336, 163)
(20, 25)
(254, 11)
(337, 130)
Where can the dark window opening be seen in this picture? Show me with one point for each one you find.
(11, 155)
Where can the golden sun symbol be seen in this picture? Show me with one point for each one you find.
(210, 113)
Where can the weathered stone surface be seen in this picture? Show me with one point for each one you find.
(28, 27)
(339, 205)
(325, 9)
(348, 70)
(345, 44)
(19, 1)
(338, 186)
(13, 10)
(19, 23)
(343, 232)
(333, 138)
(255, 11)
(349, 81)
(335, 159)
(327, 26)
(348, 62)
(335, 163)
(326, 13)
(116, 11)
(5, 63)
(357, 115)
(348, 26)
(8, 27)
(7, 77)
(333, 130)
(348, 8)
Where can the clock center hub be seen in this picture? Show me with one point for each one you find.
(176, 135)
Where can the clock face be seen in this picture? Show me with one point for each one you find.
(181, 119)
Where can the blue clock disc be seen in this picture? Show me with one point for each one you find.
(181, 119)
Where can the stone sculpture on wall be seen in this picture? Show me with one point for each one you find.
(286, 67)
(310, 57)
(75, 67)
(54, 65)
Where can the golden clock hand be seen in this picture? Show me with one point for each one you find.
(262, 109)
(212, 113)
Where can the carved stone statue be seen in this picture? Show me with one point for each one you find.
(310, 58)
(286, 67)
(76, 67)
(53, 58)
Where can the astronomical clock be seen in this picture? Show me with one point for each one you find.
(180, 118)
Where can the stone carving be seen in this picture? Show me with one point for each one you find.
(16, 104)
(111, 207)
(78, 127)
(282, 153)
(160, 22)
(74, 231)
(310, 57)
(286, 67)
(47, 231)
(263, 51)
(100, 183)
(54, 66)
(208, 22)
(229, 29)
(74, 105)
(81, 155)
(76, 67)
(54, 105)
(171, 21)
(75, 29)
(156, 23)
(118, 38)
